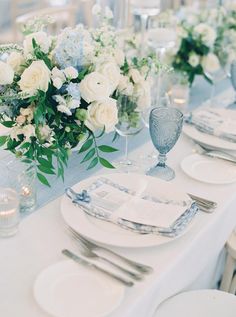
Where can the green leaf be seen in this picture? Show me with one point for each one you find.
(105, 163)
(93, 163)
(101, 134)
(89, 155)
(3, 140)
(43, 179)
(45, 162)
(8, 124)
(107, 148)
(86, 145)
(45, 170)
(25, 145)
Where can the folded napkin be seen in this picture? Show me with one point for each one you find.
(218, 122)
(139, 211)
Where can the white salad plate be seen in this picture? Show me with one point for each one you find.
(209, 170)
(111, 234)
(67, 289)
(207, 139)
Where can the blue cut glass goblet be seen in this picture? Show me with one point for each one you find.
(165, 125)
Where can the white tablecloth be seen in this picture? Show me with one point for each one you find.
(178, 264)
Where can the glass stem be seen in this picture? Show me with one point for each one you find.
(162, 160)
(213, 90)
(126, 149)
(144, 27)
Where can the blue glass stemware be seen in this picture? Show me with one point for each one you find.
(165, 126)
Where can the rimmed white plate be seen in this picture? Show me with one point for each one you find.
(209, 170)
(111, 234)
(199, 303)
(207, 139)
(67, 289)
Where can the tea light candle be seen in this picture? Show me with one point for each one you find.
(9, 212)
(179, 96)
(25, 191)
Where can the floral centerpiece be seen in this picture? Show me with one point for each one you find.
(56, 92)
(200, 48)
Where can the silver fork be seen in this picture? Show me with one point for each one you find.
(87, 252)
(142, 268)
(204, 204)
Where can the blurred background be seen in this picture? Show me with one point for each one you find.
(13, 13)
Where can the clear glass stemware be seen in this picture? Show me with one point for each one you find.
(145, 9)
(129, 124)
(165, 125)
(233, 82)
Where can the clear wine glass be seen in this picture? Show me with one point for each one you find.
(161, 37)
(145, 9)
(129, 124)
(233, 82)
(165, 125)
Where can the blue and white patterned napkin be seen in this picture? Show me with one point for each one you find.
(218, 122)
(142, 211)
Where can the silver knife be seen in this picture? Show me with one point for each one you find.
(84, 262)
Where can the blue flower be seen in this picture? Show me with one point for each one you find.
(73, 90)
(69, 51)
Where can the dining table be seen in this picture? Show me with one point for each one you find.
(193, 260)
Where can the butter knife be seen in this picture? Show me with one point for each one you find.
(84, 262)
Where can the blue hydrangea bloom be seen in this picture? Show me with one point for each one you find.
(73, 90)
(69, 51)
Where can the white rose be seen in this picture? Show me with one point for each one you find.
(181, 32)
(16, 60)
(41, 38)
(94, 87)
(35, 77)
(112, 72)
(194, 60)
(206, 32)
(119, 56)
(102, 114)
(142, 91)
(71, 72)
(28, 131)
(6, 74)
(125, 86)
(210, 63)
(135, 75)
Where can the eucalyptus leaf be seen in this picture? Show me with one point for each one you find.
(43, 179)
(89, 155)
(105, 163)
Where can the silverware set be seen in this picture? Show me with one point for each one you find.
(214, 153)
(204, 204)
(133, 270)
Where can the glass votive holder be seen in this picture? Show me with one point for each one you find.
(9, 212)
(22, 177)
(179, 95)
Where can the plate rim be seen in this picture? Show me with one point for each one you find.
(68, 261)
(200, 179)
(227, 146)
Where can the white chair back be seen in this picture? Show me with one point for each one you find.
(62, 16)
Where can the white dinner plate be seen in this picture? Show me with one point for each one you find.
(209, 170)
(200, 303)
(111, 234)
(67, 289)
(207, 139)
